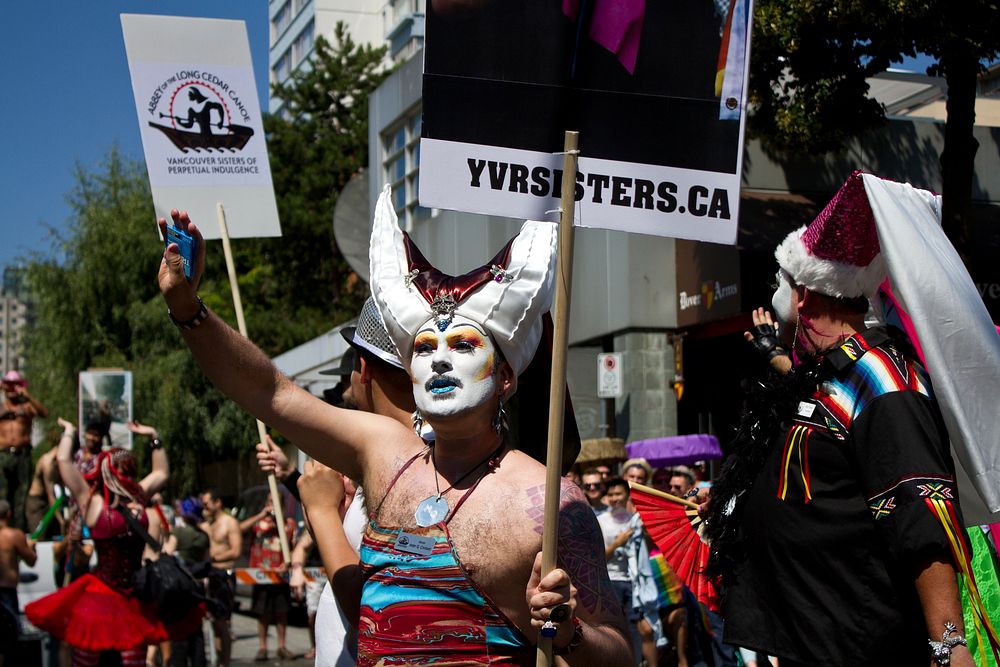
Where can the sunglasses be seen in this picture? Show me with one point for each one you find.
(598, 485)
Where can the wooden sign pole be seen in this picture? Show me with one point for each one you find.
(557, 389)
(272, 483)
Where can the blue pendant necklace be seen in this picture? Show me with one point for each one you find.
(434, 509)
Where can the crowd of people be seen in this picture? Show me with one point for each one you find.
(834, 525)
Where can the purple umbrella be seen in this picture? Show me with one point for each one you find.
(676, 450)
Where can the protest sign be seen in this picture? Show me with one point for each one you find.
(105, 403)
(656, 91)
(200, 121)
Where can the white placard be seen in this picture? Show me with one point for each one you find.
(609, 375)
(200, 121)
(625, 196)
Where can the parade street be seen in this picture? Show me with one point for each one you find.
(245, 643)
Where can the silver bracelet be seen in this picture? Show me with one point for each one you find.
(941, 651)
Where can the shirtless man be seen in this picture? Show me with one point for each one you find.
(42, 495)
(225, 546)
(468, 494)
(19, 411)
(14, 546)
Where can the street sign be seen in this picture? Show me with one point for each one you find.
(609, 375)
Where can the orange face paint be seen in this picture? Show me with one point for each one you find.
(466, 335)
(487, 369)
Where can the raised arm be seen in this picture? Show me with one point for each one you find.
(247, 523)
(70, 474)
(322, 491)
(245, 374)
(37, 408)
(158, 476)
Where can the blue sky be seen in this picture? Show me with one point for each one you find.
(67, 98)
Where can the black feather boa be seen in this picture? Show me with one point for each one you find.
(769, 404)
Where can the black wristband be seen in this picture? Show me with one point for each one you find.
(156, 443)
(195, 321)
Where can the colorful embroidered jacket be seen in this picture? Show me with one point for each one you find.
(859, 486)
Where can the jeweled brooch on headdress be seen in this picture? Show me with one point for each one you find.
(500, 274)
(443, 308)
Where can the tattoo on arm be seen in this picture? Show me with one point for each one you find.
(581, 546)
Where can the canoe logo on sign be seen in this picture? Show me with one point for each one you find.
(199, 111)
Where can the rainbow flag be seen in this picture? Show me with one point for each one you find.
(669, 589)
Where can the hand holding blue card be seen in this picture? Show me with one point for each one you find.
(187, 244)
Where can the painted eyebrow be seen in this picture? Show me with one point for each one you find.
(463, 324)
(456, 336)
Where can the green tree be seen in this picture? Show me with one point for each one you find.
(316, 143)
(811, 59)
(95, 294)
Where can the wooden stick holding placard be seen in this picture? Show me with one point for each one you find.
(272, 483)
(557, 389)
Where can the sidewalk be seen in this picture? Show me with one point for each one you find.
(245, 644)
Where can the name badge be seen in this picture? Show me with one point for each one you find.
(806, 409)
(415, 544)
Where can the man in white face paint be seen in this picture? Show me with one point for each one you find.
(451, 551)
(455, 370)
(830, 522)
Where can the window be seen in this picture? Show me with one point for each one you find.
(297, 6)
(303, 44)
(283, 68)
(400, 167)
(281, 20)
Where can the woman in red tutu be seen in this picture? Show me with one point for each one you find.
(97, 612)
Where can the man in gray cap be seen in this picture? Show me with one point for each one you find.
(378, 384)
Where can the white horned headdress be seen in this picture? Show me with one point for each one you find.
(508, 295)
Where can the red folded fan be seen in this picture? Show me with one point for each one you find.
(677, 529)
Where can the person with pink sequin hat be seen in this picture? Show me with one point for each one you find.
(836, 528)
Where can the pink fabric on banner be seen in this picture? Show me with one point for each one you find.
(995, 527)
(896, 316)
(616, 25)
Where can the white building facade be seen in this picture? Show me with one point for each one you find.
(15, 312)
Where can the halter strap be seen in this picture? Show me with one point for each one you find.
(371, 515)
(493, 466)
